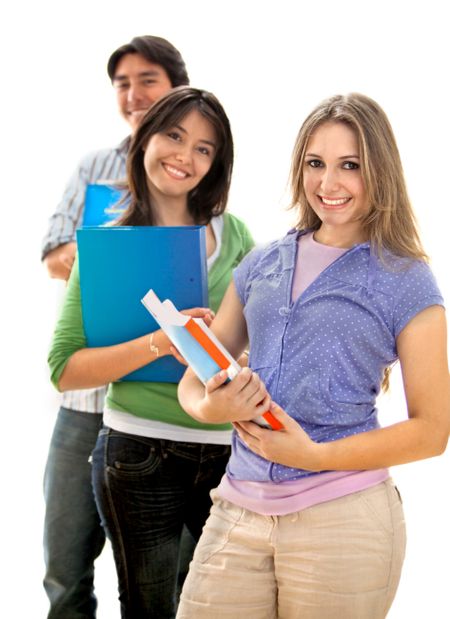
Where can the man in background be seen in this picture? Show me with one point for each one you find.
(141, 72)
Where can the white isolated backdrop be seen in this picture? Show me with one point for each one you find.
(269, 63)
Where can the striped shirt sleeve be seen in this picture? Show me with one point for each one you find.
(102, 165)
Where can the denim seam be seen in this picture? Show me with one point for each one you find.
(118, 530)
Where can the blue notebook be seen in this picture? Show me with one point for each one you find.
(117, 267)
(101, 205)
(200, 348)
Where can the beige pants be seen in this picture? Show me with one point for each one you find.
(340, 559)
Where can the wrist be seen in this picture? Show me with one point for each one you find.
(153, 348)
(158, 344)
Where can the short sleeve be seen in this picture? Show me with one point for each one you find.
(248, 242)
(243, 273)
(417, 291)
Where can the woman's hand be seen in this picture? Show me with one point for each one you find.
(243, 398)
(200, 312)
(291, 446)
(196, 312)
(92, 367)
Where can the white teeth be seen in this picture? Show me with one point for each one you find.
(175, 172)
(334, 202)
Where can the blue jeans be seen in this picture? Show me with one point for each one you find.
(73, 536)
(146, 490)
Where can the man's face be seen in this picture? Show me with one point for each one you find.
(138, 83)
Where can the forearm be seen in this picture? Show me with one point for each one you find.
(407, 441)
(57, 271)
(60, 260)
(68, 214)
(422, 349)
(92, 367)
(191, 394)
(411, 440)
(190, 391)
(219, 401)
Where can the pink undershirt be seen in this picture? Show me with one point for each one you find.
(279, 499)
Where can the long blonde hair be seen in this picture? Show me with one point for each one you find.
(390, 223)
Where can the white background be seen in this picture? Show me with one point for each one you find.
(269, 63)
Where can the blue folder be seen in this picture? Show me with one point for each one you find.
(102, 205)
(117, 267)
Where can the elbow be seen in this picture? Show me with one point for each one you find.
(50, 267)
(67, 380)
(56, 380)
(189, 393)
(184, 402)
(55, 269)
(189, 409)
(195, 410)
(196, 416)
(437, 443)
(441, 445)
(207, 414)
(442, 436)
(203, 417)
(433, 434)
(63, 383)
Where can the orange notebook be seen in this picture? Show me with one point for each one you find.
(199, 346)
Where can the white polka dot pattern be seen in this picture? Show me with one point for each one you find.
(323, 356)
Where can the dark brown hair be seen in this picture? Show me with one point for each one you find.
(209, 197)
(156, 50)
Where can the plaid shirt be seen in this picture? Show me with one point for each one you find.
(101, 165)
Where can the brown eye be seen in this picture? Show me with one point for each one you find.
(203, 150)
(174, 135)
(314, 163)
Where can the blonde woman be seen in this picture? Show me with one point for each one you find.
(307, 521)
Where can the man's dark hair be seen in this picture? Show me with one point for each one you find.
(156, 50)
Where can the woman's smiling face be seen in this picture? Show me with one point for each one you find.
(177, 159)
(333, 182)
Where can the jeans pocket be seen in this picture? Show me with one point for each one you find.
(132, 456)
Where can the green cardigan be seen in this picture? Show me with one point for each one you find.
(156, 401)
